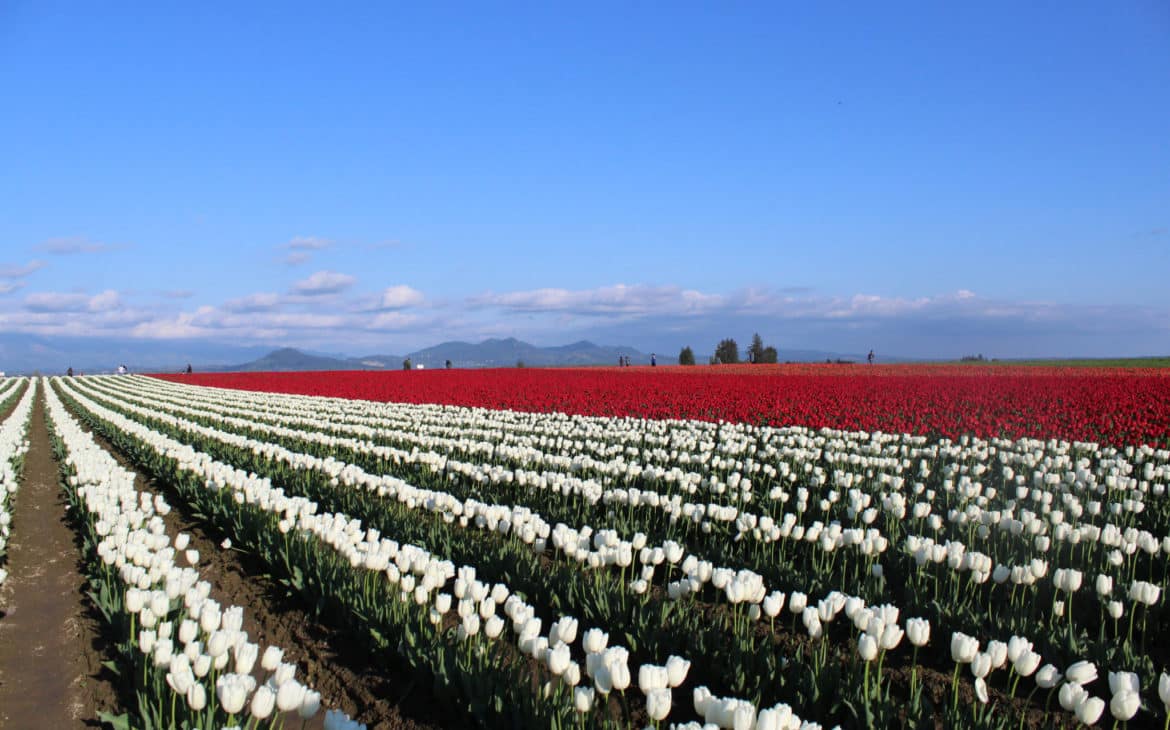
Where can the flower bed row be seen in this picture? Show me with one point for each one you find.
(187, 658)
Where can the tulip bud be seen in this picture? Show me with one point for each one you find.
(619, 674)
(963, 648)
(196, 697)
(572, 675)
(1125, 705)
(1026, 663)
(1119, 681)
(676, 670)
(246, 654)
(918, 631)
(1082, 672)
(658, 704)
(232, 693)
(272, 658)
(1071, 695)
(891, 636)
(867, 647)
(595, 640)
(146, 639)
(981, 665)
(262, 702)
(135, 600)
(1090, 709)
(981, 690)
(582, 699)
(289, 695)
(999, 653)
(310, 704)
(558, 658)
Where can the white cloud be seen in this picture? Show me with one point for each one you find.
(170, 328)
(323, 282)
(393, 321)
(666, 316)
(296, 258)
(308, 243)
(619, 299)
(56, 302)
(104, 302)
(71, 245)
(260, 302)
(400, 297)
(7, 287)
(19, 272)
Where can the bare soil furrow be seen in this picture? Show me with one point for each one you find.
(51, 647)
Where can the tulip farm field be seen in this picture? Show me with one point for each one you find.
(755, 547)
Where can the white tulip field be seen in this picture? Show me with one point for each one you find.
(544, 570)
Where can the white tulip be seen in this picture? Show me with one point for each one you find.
(582, 699)
(658, 704)
(918, 631)
(676, 670)
(1125, 705)
(290, 694)
(1090, 709)
(310, 704)
(262, 702)
(1082, 672)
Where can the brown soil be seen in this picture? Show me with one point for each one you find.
(50, 642)
(348, 678)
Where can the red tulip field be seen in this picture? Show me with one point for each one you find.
(1119, 406)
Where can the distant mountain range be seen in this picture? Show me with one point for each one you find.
(492, 353)
(20, 353)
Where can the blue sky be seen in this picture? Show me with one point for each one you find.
(923, 179)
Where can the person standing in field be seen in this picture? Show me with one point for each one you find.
(870, 357)
(653, 360)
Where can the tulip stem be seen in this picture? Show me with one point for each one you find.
(865, 691)
(955, 688)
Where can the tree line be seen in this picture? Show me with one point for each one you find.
(727, 353)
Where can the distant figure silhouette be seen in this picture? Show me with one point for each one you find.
(69, 372)
(653, 360)
(188, 368)
(870, 357)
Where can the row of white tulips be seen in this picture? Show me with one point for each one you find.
(1042, 527)
(423, 578)
(208, 660)
(749, 586)
(590, 548)
(693, 442)
(13, 445)
(1126, 542)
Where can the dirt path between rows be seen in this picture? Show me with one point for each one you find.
(50, 650)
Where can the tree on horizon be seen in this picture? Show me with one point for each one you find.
(727, 352)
